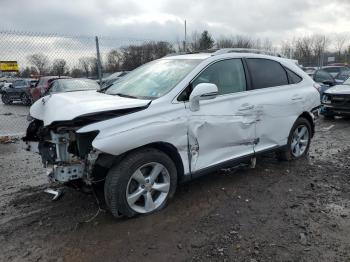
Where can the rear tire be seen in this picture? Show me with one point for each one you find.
(6, 99)
(142, 183)
(298, 141)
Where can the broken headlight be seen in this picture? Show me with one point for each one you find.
(326, 99)
(84, 142)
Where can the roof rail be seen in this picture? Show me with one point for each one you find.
(246, 50)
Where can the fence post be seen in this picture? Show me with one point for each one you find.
(99, 67)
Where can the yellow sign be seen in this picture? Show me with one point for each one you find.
(8, 66)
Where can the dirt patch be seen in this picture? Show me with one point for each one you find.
(279, 211)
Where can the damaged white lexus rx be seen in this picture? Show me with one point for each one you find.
(171, 120)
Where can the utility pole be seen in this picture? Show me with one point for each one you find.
(185, 42)
(99, 67)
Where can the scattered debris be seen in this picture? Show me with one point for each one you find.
(325, 129)
(302, 239)
(8, 139)
(56, 193)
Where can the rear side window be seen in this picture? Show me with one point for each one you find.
(266, 73)
(293, 77)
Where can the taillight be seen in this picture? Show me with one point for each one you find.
(318, 87)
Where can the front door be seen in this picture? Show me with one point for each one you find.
(223, 128)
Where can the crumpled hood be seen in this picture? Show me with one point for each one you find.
(339, 89)
(67, 106)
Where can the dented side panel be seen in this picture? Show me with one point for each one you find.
(221, 130)
(165, 123)
(277, 109)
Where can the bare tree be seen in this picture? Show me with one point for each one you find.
(304, 50)
(114, 59)
(238, 41)
(59, 67)
(85, 64)
(76, 72)
(320, 44)
(136, 55)
(339, 42)
(287, 48)
(225, 42)
(40, 61)
(194, 44)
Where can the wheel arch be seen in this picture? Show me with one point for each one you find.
(167, 148)
(309, 117)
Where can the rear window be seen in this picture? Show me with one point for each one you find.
(266, 73)
(332, 69)
(293, 77)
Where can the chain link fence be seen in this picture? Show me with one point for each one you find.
(27, 58)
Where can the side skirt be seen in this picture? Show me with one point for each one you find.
(228, 164)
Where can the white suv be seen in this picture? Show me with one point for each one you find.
(171, 120)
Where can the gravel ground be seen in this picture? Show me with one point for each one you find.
(13, 119)
(279, 211)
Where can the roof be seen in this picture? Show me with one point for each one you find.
(189, 56)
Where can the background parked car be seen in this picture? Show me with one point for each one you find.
(4, 86)
(71, 85)
(19, 90)
(42, 86)
(323, 78)
(336, 101)
(335, 70)
(342, 76)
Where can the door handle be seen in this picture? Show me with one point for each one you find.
(246, 107)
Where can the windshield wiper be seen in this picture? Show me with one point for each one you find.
(103, 89)
(125, 95)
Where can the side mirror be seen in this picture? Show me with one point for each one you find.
(11, 86)
(203, 91)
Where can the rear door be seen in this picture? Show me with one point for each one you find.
(277, 100)
(223, 129)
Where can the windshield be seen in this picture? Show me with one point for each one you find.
(347, 81)
(115, 75)
(153, 79)
(68, 85)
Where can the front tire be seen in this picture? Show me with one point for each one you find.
(298, 141)
(26, 100)
(141, 183)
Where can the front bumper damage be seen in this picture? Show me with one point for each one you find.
(67, 155)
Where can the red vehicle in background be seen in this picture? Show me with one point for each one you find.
(40, 89)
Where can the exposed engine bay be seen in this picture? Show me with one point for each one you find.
(68, 153)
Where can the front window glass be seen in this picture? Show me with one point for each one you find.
(227, 75)
(153, 79)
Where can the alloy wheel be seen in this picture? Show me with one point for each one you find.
(148, 187)
(300, 141)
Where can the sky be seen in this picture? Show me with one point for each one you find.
(123, 22)
(164, 19)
